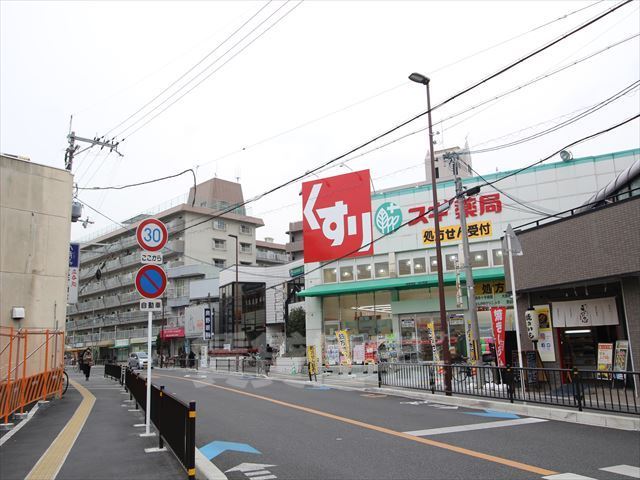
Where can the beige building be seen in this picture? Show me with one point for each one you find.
(35, 225)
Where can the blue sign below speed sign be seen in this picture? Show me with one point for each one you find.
(151, 281)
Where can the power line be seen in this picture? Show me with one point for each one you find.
(211, 52)
(211, 73)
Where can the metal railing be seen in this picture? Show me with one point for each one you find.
(582, 389)
(174, 419)
(241, 365)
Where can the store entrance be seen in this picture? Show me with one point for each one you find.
(579, 346)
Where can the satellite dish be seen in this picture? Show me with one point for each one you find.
(566, 155)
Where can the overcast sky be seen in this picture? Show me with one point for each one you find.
(327, 77)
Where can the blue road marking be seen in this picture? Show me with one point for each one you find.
(213, 449)
(494, 414)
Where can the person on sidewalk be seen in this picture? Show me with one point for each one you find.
(192, 359)
(86, 360)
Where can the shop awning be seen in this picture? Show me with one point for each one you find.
(400, 283)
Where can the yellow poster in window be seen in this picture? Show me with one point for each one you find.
(453, 233)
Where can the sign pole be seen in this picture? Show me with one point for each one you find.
(515, 310)
(148, 409)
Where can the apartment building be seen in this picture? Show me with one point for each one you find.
(201, 242)
(269, 253)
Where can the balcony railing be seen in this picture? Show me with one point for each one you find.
(272, 257)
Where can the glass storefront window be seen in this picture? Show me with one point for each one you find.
(331, 309)
(348, 313)
(433, 264)
(329, 275)
(383, 312)
(367, 323)
(419, 266)
(450, 261)
(479, 259)
(382, 269)
(498, 259)
(404, 267)
(346, 274)
(364, 271)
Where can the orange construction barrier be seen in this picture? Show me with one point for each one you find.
(31, 367)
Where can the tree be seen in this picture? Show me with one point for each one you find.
(296, 330)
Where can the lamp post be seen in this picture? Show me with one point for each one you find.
(236, 295)
(446, 354)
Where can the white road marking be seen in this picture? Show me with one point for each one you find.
(474, 426)
(626, 470)
(259, 472)
(567, 476)
(265, 477)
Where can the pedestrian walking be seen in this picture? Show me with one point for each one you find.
(192, 359)
(86, 360)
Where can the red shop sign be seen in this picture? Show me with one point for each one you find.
(176, 332)
(336, 215)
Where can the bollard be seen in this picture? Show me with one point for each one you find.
(159, 425)
(190, 453)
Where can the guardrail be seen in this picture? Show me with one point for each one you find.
(113, 371)
(241, 365)
(174, 419)
(582, 389)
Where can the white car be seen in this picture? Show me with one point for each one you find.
(138, 360)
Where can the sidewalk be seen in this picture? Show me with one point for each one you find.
(91, 435)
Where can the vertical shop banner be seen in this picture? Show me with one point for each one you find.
(336, 214)
(620, 357)
(208, 323)
(431, 335)
(358, 354)
(605, 356)
(73, 275)
(333, 355)
(312, 359)
(370, 350)
(546, 346)
(498, 319)
(204, 356)
(344, 344)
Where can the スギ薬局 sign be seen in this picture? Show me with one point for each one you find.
(337, 217)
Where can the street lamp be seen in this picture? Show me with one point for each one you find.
(236, 296)
(446, 354)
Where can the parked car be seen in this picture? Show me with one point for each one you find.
(138, 360)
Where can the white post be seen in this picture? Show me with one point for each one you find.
(515, 310)
(147, 432)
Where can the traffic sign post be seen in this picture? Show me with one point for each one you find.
(151, 282)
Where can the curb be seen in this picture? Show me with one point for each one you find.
(205, 468)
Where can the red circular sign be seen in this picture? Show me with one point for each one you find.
(152, 235)
(151, 281)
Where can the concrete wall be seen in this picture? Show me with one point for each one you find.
(35, 224)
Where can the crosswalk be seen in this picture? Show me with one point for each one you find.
(628, 471)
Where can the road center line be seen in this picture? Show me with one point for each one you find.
(475, 426)
(388, 431)
(51, 462)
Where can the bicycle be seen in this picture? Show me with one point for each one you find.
(65, 382)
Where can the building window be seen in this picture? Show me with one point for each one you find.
(219, 244)
(219, 224)
(498, 259)
(382, 269)
(450, 261)
(437, 172)
(219, 262)
(245, 247)
(329, 275)
(245, 229)
(433, 264)
(479, 259)
(419, 266)
(346, 274)
(404, 267)
(364, 271)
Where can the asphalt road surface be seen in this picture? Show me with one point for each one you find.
(267, 430)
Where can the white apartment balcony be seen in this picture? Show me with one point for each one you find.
(272, 257)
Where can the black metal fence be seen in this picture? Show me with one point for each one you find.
(113, 371)
(241, 365)
(174, 419)
(581, 389)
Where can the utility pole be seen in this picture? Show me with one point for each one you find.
(71, 150)
(468, 271)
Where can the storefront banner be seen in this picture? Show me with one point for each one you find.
(344, 344)
(498, 319)
(194, 321)
(605, 357)
(358, 354)
(312, 359)
(453, 233)
(121, 343)
(621, 355)
(333, 355)
(585, 313)
(546, 345)
(370, 350)
(177, 332)
(431, 336)
(204, 356)
(73, 276)
(533, 326)
(336, 214)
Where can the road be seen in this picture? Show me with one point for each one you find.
(294, 430)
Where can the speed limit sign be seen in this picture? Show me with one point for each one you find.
(152, 235)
